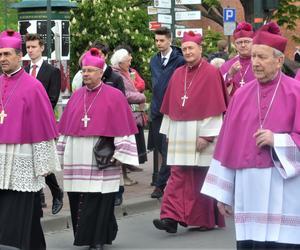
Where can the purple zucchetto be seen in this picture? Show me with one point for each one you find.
(10, 39)
(243, 29)
(269, 34)
(191, 37)
(93, 58)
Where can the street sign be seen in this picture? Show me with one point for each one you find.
(229, 15)
(161, 18)
(179, 32)
(154, 25)
(163, 11)
(182, 2)
(166, 25)
(180, 9)
(179, 26)
(151, 10)
(229, 27)
(162, 3)
(187, 15)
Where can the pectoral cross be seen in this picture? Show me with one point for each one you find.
(85, 120)
(2, 116)
(242, 82)
(185, 97)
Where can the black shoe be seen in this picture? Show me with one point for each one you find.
(157, 193)
(169, 225)
(97, 247)
(57, 203)
(118, 201)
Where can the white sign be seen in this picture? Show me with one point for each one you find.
(152, 10)
(188, 15)
(163, 11)
(180, 9)
(179, 32)
(179, 26)
(182, 2)
(162, 3)
(166, 25)
(161, 18)
(229, 27)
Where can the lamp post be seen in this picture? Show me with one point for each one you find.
(49, 29)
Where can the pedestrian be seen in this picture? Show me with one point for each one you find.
(193, 108)
(27, 148)
(162, 65)
(50, 78)
(254, 174)
(221, 53)
(238, 71)
(95, 110)
(121, 61)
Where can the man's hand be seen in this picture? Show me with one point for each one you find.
(201, 144)
(236, 67)
(224, 209)
(264, 137)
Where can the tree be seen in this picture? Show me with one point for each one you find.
(114, 23)
(9, 18)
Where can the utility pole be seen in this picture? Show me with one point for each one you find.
(49, 29)
(173, 21)
(258, 13)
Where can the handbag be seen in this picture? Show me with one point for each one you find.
(103, 151)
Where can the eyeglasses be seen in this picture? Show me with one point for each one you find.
(246, 42)
(89, 70)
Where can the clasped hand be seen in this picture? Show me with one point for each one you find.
(264, 137)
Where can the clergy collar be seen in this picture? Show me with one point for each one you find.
(13, 73)
(191, 67)
(93, 89)
(271, 82)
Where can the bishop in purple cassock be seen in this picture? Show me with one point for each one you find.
(238, 71)
(255, 172)
(94, 110)
(193, 108)
(27, 148)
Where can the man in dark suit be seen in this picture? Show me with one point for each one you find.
(50, 77)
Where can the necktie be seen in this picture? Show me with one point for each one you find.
(33, 72)
(163, 59)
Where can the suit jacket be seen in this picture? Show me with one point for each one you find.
(50, 77)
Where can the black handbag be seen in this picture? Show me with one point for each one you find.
(104, 150)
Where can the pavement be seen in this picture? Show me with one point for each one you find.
(136, 199)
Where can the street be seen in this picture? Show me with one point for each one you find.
(137, 232)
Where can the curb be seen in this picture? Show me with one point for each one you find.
(133, 206)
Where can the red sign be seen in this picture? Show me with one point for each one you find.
(154, 25)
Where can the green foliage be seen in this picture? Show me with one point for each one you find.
(114, 23)
(9, 17)
(287, 15)
(210, 41)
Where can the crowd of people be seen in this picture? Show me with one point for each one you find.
(227, 130)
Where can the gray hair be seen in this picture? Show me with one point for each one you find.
(118, 56)
(277, 53)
